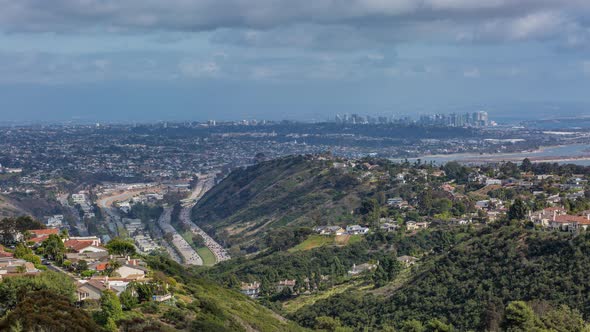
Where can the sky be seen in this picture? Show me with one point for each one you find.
(174, 60)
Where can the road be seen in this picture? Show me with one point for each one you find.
(203, 185)
(188, 254)
(171, 251)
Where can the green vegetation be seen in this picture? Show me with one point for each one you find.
(211, 307)
(207, 256)
(470, 285)
(313, 241)
(287, 192)
(121, 246)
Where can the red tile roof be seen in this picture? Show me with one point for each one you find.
(565, 218)
(78, 245)
(102, 266)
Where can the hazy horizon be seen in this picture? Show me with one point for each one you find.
(126, 61)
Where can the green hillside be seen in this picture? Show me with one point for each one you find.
(46, 303)
(470, 285)
(294, 191)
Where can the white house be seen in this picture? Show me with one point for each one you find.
(356, 229)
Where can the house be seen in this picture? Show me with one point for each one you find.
(358, 269)
(55, 221)
(397, 202)
(250, 289)
(281, 285)
(12, 266)
(545, 216)
(570, 223)
(36, 233)
(394, 201)
(484, 204)
(356, 229)
(95, 239)
(90, 290)
(162, 298)
(407, 260)
(491, 182)
(389, 227)
(81, 246)
(131, 271)
(414, 225)
(330, 230)
(40, 235)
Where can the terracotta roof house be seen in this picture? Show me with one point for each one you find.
(44, 232)
(80, 246)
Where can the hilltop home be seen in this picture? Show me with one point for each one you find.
(330, 230)
(570, 223)
(414, 225)
(358, 269)
(286, 284)
(545, 216)
(250, 289)
(356, 229)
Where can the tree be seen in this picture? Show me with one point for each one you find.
(128, 300)
(47, 311)
(110, 308)
(120, 246)
(518, 210)
(526, 165)
(327, 323)
(54, 248)
(13, 290)
(82, 266)
(22, 250)
(412, 326)
(519, 317)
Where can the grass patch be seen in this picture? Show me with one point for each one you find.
(207, 256)
(313, 241)
(304, 300)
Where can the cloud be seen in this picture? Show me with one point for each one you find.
(510, 19)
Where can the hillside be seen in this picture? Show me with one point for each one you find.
(470, 285)
(8, 208)
(46, 302)
(294, 191)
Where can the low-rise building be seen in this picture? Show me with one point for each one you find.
(250, 289)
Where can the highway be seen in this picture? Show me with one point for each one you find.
(203, 185)
(188, 254)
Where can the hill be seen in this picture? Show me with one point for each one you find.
(291, 191)
(470, 285)
(8, 208)
(47, 302)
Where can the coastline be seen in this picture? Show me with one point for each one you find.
(574, 153)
